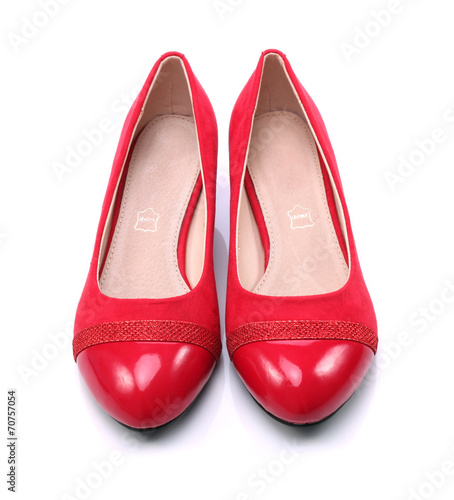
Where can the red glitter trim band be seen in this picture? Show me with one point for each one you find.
(301, 330)
(147, 331)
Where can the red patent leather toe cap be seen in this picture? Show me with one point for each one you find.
(302, 381)
(145, 384)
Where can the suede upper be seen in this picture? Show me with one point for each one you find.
(199, 306)
(352, 302)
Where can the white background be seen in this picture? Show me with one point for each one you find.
(77, 70)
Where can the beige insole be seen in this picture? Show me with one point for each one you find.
(142, 260)
(305, 256)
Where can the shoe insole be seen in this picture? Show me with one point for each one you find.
(305, 257)
(142, 260)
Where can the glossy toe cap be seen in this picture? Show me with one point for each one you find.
(145, 384)
(302, 381)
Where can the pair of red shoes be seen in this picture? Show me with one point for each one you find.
(300, 325)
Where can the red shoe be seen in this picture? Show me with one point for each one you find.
(301, 328)
(147, 333)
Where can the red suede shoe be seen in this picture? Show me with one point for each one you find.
(147, 333)
(301, 328)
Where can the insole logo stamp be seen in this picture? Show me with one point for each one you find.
(300, 217)
(147, 220)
